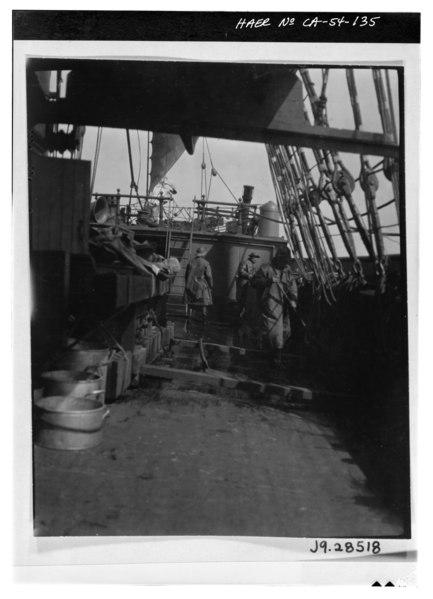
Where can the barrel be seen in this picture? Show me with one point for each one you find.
(69, 422)
(269, 220)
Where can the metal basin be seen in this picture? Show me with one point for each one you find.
(72, 383)
(69, 422)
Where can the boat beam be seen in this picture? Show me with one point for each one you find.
(246, 102)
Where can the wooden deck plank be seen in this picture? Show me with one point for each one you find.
(219, 379)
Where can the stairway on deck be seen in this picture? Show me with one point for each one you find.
(180, 249)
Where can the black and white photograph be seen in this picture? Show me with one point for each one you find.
(219, 289)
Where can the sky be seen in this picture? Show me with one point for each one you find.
(242, 163)
(238, 164)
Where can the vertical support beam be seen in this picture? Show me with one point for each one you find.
(50, 290)
(148, 164)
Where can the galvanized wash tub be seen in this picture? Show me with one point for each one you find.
(72, 383)
(69, 422)
(82, 357)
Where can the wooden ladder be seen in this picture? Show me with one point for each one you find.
(178, 247)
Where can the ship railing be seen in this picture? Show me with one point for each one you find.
(230, 217)
(164, 212)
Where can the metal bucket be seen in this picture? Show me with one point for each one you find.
(79, 358)
(69, 422)
(72, 383)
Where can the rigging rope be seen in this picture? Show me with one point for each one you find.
(139, 158)
(384, 205)
(305, 208)
(282, 202)
(203, 182)
(291, 179)
(327, 169)
(133, 185)
(215, 172)
(95, 159)
(343, 226)
(299, 195)
(313, 198)
(386, 111)
(344, 184)
(369, 184)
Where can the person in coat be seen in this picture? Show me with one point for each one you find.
(198, 284)
(246, 271)
(278, 292)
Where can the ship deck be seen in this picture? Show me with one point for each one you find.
(182, 461)
(186, 457)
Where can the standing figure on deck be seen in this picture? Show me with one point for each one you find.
(246, 271)
(278, 293)
(198, 285)
(201, 208)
